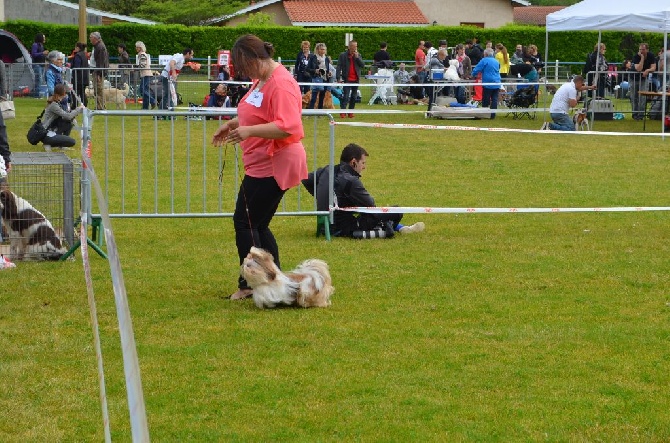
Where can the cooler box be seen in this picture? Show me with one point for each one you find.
(437, 74)
(602, 109)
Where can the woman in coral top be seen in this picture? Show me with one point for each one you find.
(268, 128)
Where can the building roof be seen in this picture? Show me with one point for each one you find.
(370, 13)
(114, 17)
(534, 15)
(354, 13)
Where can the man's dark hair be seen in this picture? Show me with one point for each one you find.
(186, 51)
(383, 45)
(352, 151)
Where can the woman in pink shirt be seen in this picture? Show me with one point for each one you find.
(269, 129)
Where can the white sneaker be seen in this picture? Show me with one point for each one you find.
(416, 227)
(544, 126)
(47, 148)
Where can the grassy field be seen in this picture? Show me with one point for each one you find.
(485, 327)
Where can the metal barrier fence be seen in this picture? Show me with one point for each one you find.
(154, 168)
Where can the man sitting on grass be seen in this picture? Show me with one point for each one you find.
(349, 191)
(566, 97)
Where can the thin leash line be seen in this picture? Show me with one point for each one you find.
(244, 193)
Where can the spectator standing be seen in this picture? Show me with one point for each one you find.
(503, 60)
(318, 68)
(269, 131)
(431, 52)
(490, 70)
(435, 64)
(224, 73)
(143, 62)
(596, 63)
(420, 61)
(382, 59)
(349, 65)
(170, 74)
(124, 64)
(474, 51)
(300, 69)
(80, 78)
(443, 45)
(39, 55)
(644, 63)
(517, 57)
(101, 62)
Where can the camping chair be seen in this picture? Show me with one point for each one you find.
(524, 102)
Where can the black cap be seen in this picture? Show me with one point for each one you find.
(443, 43)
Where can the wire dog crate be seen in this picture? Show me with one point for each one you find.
(50, 182)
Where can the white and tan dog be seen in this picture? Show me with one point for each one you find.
(31, 235)
(111, 95)
(452, 71)
(581, 120)
(309, 285)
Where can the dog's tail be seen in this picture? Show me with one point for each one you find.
(321, 282)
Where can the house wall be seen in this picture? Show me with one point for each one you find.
(275, 10)
(493, 13)
(37, 10)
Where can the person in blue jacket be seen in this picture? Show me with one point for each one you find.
(489, 67)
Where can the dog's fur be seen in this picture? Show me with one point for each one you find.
(111, 95)
(551, 89)
(309, 285)
(452, 71)
(581, 120)
(31, 235)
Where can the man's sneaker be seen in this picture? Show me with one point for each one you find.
(343, 115)
(416, 227)
(351, 115)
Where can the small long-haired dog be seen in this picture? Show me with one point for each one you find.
(31, 235)
(581, 120)
(309, 285)
(452, 71)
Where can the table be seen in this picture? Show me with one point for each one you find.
(384, 81)
(647, 95)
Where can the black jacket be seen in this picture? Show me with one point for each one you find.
(343, 67)
(349, 191)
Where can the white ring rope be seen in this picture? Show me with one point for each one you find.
(429, 210)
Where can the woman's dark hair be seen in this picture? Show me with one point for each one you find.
(39, 38)
(81, 46)
(59, 90)
(249, 48)
(352, 151)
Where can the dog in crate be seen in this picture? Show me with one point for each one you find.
(31, 234)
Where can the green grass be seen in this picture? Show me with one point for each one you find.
(486, 327)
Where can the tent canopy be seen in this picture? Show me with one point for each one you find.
(612, 15)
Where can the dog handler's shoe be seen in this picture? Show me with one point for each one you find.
(416, 227)
(241, 294)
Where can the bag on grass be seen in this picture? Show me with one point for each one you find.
(37, 131)
(8, 110)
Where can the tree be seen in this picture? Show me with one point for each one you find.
(258, 19)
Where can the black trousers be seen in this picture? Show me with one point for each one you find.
(349, 96)
(257, 202)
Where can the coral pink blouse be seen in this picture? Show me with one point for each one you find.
(281, 104)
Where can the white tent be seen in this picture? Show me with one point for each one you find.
(614, 15)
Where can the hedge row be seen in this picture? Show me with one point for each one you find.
(206, 41)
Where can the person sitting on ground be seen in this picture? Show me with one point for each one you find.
(58, 121)
(349, 191)
(219, 99)
(566, 97)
